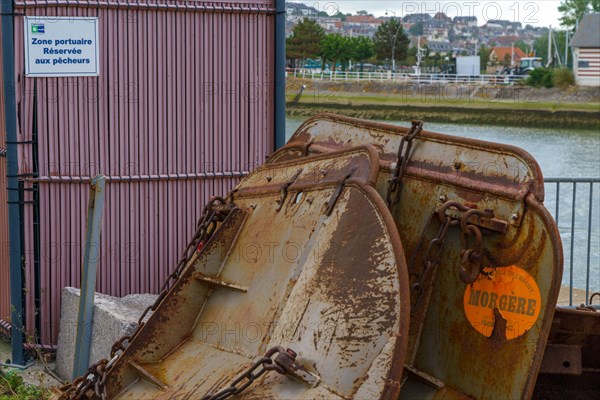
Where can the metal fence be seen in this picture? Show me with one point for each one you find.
(183, 107)
(574, 204)
(350, 76)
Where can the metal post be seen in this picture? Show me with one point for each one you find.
(394, 54)
(12, 170)
(279, 73)
(91, 254)
(567, 48)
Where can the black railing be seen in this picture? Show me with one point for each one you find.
(574, 203)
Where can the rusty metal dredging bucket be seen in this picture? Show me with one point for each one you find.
(308, 258)
(484, 256)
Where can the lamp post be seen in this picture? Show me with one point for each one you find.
(394, 40)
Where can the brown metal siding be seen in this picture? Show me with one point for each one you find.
(183, 107)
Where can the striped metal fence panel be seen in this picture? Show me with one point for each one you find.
(183, 108)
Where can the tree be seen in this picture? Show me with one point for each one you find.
(362, 13)
(573, 11)
(305, 40)
(362, 49)
(341, 15)
(416, 29)
(335, 47)
(540, 46)
(390, 39)
(522, 45)
(411, 56)
(484, 55)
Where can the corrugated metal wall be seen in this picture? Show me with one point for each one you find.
(4, 267)
(182, 109)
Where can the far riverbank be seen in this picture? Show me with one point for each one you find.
(449, 103)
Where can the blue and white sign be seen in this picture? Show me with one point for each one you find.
(61, 46)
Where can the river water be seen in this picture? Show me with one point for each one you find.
(561, 153)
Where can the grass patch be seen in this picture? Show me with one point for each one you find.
(12, 387)
(438, 101)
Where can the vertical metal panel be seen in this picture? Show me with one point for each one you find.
(14, 192)
(4, 266)
(181, 109)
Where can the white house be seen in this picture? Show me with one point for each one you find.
(586, 51)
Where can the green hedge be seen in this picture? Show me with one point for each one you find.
(541, 77)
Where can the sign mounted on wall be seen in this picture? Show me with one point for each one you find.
(61, 46)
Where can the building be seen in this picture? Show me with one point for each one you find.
(504, 40)
(586, 51)
(361, 25)
(470, 21)
(436, 30)
(363, 20)
(296, 12)
(502, 25)
(414, 18)
(440, 16)
(506, 56)
(330, 24)
(442, 48)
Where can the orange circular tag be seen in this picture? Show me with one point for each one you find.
(512, 292)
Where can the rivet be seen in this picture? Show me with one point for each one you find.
(443, 198)
(515, 217)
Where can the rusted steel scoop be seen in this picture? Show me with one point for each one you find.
(484, 255)
(301, 292)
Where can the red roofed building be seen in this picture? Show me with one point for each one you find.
(506, 55)
(364, 20)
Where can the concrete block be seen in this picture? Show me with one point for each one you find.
(113, 318)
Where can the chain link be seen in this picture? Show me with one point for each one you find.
(395, 183)
(92, 383)
(472, 255)
(589, 306)
(247, 378)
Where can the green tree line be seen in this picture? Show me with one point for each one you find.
(309, 40)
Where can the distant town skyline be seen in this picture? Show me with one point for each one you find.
(536, 13)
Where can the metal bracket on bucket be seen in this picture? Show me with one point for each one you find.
(483, 219)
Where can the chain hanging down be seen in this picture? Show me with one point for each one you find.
(395, 183)
(91, 384)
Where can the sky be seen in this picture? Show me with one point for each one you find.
(536, 13)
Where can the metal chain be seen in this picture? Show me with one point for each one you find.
(247, 378)
(395, 182)
(589, 306)
(472, 256)
(215, 211)
(432, 256)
